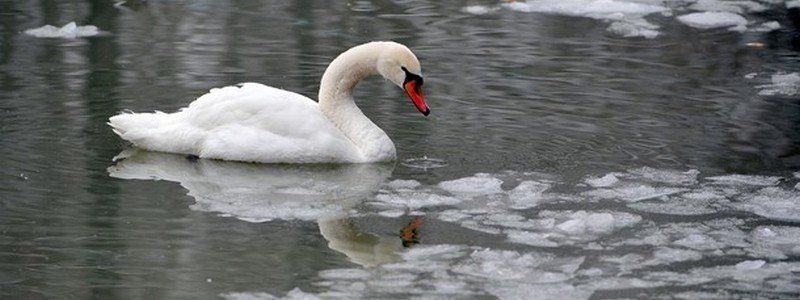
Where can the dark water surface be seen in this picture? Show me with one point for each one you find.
(511, 92)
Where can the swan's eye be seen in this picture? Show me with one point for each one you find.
(411, 76)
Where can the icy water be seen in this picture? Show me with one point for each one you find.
(595, 149)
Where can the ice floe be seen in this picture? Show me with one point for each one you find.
(766, 26)
(714, 19)
(69, 31)
(480, 184)
(628, 18)
(782, 84)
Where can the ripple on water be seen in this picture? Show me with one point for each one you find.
(424, 163)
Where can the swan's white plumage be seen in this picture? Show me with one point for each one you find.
(250, 122)
(257, 123)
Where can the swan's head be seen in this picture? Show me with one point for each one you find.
(400, 66)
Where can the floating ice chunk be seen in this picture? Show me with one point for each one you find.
(556, 228)
(633, 193)
(628, 16)
(597, 9)
(631, 29)
(750, 264)
(783, 84)
(478, 185)
(295, 294)
(605, 181)
(582, 222)
(694, 202)
(502, 265)
(540, 291)
(665, 175)
(248, 296)
(777, 242)
(671, 255)
(728, 6)
(621, 283)
(738, 179)
(767, 27)
(708, 20)
(434, 252)
(69, 31)
(416, 200)
(344, 274)
(750, 75)
(531, 238)
(392, 213)
(479, 9)
(773, 203)
(401, 184)
(527, 194)
(793, 4)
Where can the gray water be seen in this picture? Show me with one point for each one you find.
(516, 97)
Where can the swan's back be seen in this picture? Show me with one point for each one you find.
(251, 122)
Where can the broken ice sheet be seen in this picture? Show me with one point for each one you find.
(626, 17)
(558, 228)
(772, 203)
(775, 242)
(69, 31)
(705, 200)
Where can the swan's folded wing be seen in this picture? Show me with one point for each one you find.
(250, 122)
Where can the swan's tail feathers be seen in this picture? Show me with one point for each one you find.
(128, 122)
(145, 130)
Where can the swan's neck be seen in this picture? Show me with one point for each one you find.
(336, 102)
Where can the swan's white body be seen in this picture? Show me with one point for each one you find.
(257, 123)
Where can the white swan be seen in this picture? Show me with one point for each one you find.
(257, 123)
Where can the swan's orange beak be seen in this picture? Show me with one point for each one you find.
(414, 92)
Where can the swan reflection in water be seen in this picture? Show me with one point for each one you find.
(260, 193)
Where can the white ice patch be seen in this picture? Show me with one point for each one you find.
(776, 242)
(627, 17)
(479, 9)
(701, 201)
(528, 194)
(478, 185)
(557, 228)
(766, 27)
(782, 84)
(414, 200)
(773, 203)
(632, 193)
(738, 179)
(69, 31)
(605, 181)
(793, 4)
(737, 7)
(709, 20)
(401, 184)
